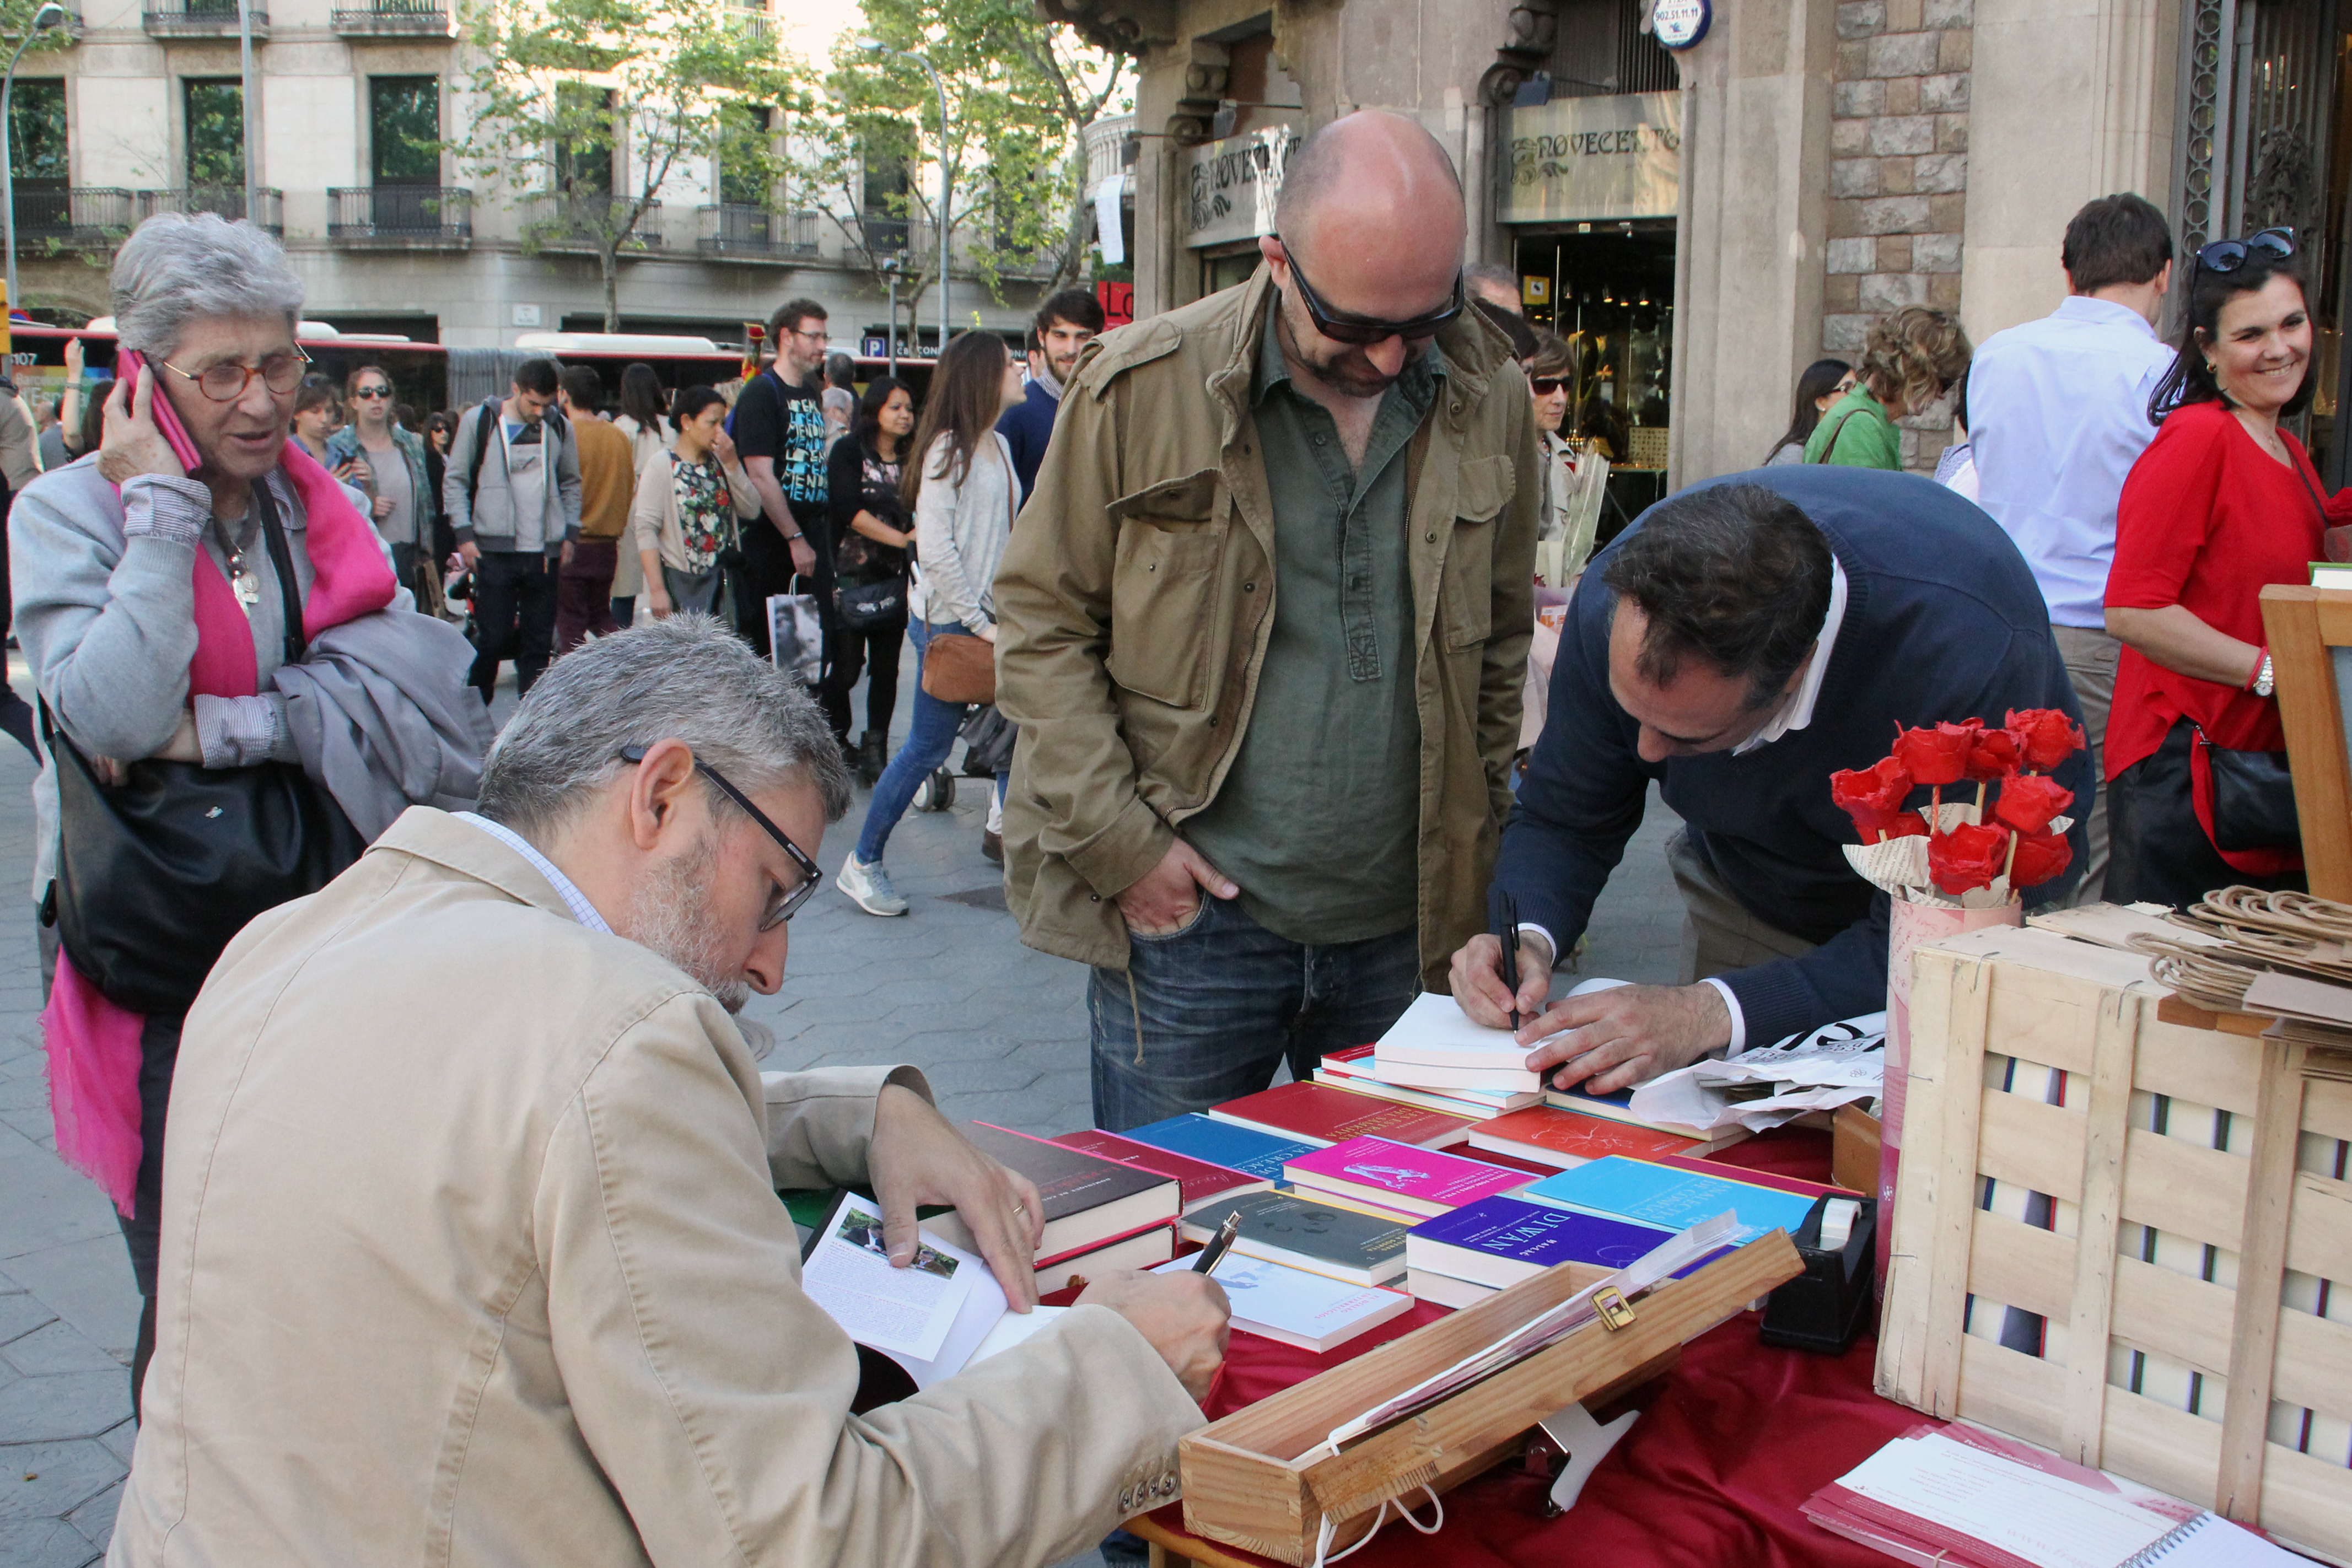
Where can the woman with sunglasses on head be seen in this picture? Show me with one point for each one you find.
(394, 461)
(1910, 359)
(960, 486)
(2223, 502)
(1821, 384)
(210, 621)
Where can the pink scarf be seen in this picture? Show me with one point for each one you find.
(93, 1045)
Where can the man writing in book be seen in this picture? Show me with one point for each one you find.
(494, 1269)
(1744, 640)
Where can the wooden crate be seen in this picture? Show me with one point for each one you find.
(1263, 1479)
(2259, 1202)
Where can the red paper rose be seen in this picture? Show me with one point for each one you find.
(2028, 800)
(1970, 855)
(1995, 754)
(2040, 857)
(1871, 795)
(2050, 736)
(1905, 825)
(1937, 756)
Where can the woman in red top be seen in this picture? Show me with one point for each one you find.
(2222, 502)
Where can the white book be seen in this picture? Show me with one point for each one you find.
(1429, 1285)
(1435, 1033)
(1312, 1312)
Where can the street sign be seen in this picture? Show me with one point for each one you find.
(1679, 24)
(875, 347)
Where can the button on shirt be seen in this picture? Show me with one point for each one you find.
(1319, 818)
(2057, 416)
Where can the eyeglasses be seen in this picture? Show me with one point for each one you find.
(1545, 385)
(374, 394)
(281, 373)
(1357, 329)
(787, 900)
(815, 337)
(2226, 256)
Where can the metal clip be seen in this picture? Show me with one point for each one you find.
(1609, 1303)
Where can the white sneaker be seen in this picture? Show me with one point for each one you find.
(868, 887)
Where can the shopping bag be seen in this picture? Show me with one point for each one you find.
(795, 635)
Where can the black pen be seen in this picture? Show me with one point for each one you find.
(1215, 1252)
(1506, 922)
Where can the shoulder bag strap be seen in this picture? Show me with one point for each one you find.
(281, 561)
(2309, 490)
(1836, 430)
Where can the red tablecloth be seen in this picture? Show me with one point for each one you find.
(1710, 1477)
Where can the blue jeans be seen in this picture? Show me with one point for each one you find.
(928, 741)
(1223, 1000)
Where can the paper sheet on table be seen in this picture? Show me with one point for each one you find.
(902, 1313)
(2047, 1520)
(1835, 1065)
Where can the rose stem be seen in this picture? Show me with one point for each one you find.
(2010, 864)
(1980, 789)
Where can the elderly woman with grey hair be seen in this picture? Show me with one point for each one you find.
(236, 695)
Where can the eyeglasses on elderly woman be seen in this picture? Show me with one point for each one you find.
(281, 373)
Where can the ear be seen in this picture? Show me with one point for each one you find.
(1270, 247)
(657, 792)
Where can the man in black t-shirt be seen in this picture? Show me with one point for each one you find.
(779, 428)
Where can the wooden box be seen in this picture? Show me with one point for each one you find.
(1264, 1480)
(2119, 1232)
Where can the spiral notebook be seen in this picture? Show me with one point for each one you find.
(1968, 1498)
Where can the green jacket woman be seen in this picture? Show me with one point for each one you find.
(1911, 359)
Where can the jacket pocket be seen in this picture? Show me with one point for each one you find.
(1483, 487)
(1171, 537)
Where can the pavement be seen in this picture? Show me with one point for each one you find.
(1001, 1031)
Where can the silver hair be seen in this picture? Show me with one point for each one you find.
(688, 678)
(176, 269)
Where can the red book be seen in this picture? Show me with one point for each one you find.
(1730, 1172)
(1564, 1139)
(1314, 1113)
(1399, 1177)
(1201, 1180)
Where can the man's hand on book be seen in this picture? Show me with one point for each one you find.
(1477, 979)
(1627, 1035)
(916, 1157)
(1185, 1316)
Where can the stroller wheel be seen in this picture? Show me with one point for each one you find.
(937, 792)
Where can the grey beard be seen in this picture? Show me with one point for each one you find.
(668, 915)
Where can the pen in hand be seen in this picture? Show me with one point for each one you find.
(1215, 1252)
(1507, 922)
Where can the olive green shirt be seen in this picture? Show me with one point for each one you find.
(1319, 816)
(1856, 433)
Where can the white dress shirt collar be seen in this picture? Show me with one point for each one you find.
(566, 889)
(1798, 711)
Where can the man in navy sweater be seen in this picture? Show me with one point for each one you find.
(1744, 640)
(1066, 324)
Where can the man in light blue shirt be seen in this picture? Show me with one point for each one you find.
(2058, 414)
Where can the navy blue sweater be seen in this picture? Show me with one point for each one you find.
(1943, 620)
(1026, 427)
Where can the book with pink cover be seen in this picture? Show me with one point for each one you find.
(1399, 1177)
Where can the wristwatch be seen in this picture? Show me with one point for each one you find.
(2264, 683)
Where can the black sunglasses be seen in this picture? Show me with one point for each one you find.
(1545, 386)
(1357, 329)
(2226, 256)
(788, 901)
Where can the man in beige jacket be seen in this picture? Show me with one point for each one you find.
(471, 1252)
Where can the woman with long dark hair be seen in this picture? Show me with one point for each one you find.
(1821, 384)
(964, 493)
(872, 534)
(644, 418)
(692, 502)
(2223, 501)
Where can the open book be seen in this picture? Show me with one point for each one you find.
(941, 1313)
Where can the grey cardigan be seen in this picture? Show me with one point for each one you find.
(487, 518)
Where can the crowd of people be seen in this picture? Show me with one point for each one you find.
(1238, 608)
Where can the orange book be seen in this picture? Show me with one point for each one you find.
(1564, 1140)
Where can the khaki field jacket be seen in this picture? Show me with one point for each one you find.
(1136, 602)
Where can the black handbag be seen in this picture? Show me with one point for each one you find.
(2253, 799)
(155, 876)
(869, 606)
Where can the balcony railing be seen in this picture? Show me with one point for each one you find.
(228, 201)
(756, 26)
(78, 216)
(197, 19)
(583, 222)
(756, 234)
(401, 214)
(395, 18)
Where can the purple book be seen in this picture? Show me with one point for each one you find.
(1499, 1241)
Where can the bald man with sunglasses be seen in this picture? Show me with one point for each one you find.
(1264, 626)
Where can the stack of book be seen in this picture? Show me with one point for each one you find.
(1464, 1257)
(1619, 1107)
(1314, 1113)
(1397, 1179)
(1313, 1312)
(1436, 1046)
(1563, 1140)
(1333, 1239)
(1257, 1153)
(1355, 1070)
(1099, 1214)
(1674, 1193)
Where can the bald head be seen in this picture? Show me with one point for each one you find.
(1372, 178)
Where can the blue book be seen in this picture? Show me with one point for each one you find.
(1499, 1241)
(1223, 1143)
(1618, 1188)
